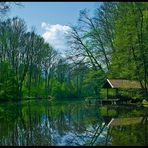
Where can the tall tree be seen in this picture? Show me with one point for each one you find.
(131, 42)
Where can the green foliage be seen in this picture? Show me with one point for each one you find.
(107, 112)
(122, 138)
(113, 43)
(60, 90)
(94, 81)
(35, 91)
(56, 89)
(8, 82)
(25, 58)
(129, 58)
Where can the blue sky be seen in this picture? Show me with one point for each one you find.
(52, 19)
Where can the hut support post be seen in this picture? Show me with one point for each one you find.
(107, 93)
(116, 92)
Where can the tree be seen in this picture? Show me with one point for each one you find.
(5, 7)
(131, 43)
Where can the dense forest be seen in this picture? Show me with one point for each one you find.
(113, 43)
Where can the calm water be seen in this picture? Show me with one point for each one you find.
(71, 123)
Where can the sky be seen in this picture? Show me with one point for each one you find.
(52, 20)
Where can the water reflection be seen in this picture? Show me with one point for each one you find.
(32, 123)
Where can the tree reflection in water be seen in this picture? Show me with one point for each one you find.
(31, 123)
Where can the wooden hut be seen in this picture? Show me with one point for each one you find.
(121, 84)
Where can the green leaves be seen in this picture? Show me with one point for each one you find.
(8, 85)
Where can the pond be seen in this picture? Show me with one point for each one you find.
(71, 123)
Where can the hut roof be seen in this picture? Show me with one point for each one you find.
(118, 83)
(125, 121)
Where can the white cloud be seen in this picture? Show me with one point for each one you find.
(55, 35)
(43, 25)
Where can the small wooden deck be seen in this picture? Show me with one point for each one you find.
(110, 101)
